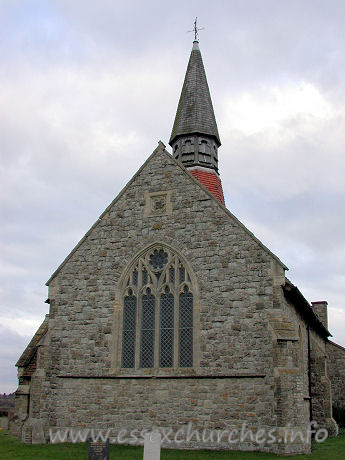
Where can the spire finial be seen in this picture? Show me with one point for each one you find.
(196, 30)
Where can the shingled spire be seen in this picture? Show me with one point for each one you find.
(194, 138)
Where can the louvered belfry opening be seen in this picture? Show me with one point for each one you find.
(158, 309)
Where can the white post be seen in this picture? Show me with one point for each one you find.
(152, 446)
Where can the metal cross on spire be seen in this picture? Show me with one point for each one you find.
(196, 30)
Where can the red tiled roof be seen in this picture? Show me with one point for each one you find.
(211, 181)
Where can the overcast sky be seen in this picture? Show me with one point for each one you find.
(88, 87)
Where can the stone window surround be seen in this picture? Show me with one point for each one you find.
(116, 357)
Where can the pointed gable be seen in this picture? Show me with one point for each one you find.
(161, 168)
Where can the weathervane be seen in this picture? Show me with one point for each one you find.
(196, 30)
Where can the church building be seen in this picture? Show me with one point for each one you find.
(170, 313)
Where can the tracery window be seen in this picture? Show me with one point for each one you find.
(158, 309)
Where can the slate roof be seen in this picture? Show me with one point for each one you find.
(31, 349)
(195, 111)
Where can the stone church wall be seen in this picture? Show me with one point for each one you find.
(321, 390)
(233, 273)
(316, 394)
(290, 350)
(136, 404)
(236, 283)
(336, 373)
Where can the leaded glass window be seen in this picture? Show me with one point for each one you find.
(145, 277)
(172, 275)
(182, 274)
(186, 329)
(129, 330)
(158, 312)
(158, 258)
(166, 336)
(147, 330)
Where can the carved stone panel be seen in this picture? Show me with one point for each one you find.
(157, 204)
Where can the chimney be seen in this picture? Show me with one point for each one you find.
(320, 308)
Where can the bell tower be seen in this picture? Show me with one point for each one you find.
(194, 138)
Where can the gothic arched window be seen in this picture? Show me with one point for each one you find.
(158, 309)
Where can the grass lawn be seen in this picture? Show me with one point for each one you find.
(11, 448)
